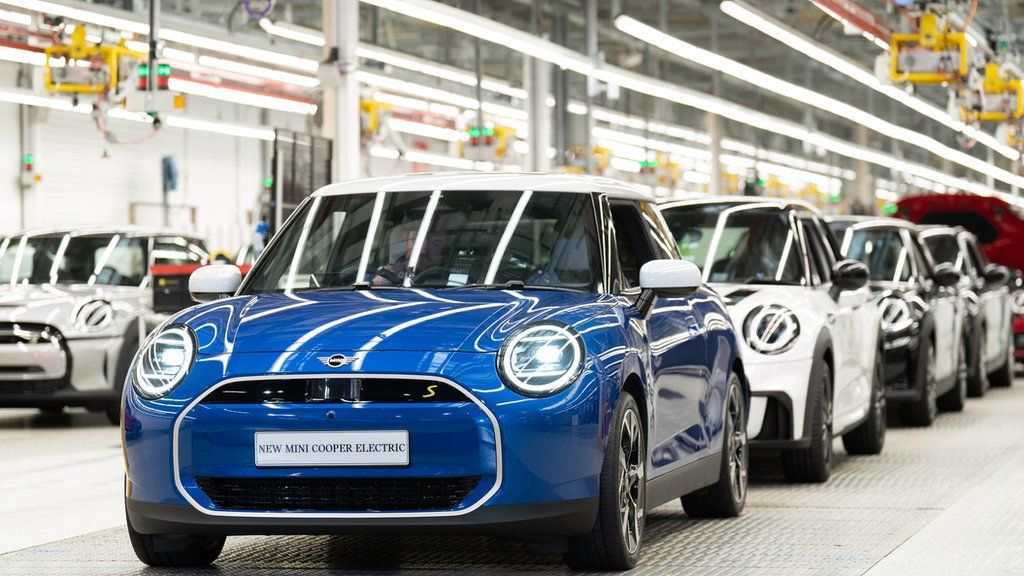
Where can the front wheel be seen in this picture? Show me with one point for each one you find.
(1003, 377)
(814, 463)
(922, 412)
(869, 436)
(726, 498)
(175, 550)
(956, 399)
(614, 541)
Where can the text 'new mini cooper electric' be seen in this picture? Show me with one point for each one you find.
(811, 340)
(523, 355)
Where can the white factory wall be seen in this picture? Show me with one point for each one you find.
(85, 181)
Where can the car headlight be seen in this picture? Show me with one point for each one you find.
(164, 361)
(771, 329)
(1017, 302)
(541, 359)
(896, 315)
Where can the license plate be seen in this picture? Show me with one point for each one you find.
(364, 448)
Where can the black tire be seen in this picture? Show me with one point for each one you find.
(977, 380)
(51, 410)
(814, 463)
(923, 411)
(606, 547)
(1003, 377)
(175, 550)
(869, 437)
(956, 399)
(727, 497)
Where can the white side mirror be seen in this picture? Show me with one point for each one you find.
(213, 282)
(670, 275)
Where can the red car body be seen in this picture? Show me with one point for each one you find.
(997, 223)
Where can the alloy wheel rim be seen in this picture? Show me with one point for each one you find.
(737, 447)
(631, 481)
(826, 432)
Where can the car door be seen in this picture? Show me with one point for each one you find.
(853, 330)
(676, 346)
(995, 306)
(946, 307)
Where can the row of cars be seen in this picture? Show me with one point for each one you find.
(542, 356)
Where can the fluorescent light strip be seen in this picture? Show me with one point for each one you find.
(220, 128)
(805, 96)
(92, 16)
(480, 27)
(296, 33)
(241, 97)
(761, 22)
(420, 157)
(422, 66)
(16, 17)
(259, 72)
(427, 130)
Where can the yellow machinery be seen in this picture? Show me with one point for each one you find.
(1000, 97)
(80, 68)
(602, 157)
(934, 55)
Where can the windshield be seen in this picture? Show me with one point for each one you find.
(945, 249)
(435, 240)
(109, 260)
(884, 253)
(748, 245)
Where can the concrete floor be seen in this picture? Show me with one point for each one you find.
(944, 500)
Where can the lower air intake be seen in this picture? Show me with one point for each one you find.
(337, 494)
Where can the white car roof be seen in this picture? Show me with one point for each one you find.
(780, 203)
(512, 182)
(91, 230)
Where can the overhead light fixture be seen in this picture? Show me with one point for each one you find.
(242, 97)
(475, 25)
(745, 73)
(220, 128)
(764, 23)
(422, 66)
(427, 130)
(291, 32)
(259, 72)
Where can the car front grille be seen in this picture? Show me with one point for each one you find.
(347, 390)
(337, 494)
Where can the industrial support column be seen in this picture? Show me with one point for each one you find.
(538, 86)
(341, 116)
(715, 185)
(865, 197)
(592, 87)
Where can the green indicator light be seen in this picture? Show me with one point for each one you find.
(163, 70)
(144, 71)
(648, 163)
(760, 182)
(890, 209)
(488, 131)
(474, 132)
(30, 159)
(268, 182)
(836, 199)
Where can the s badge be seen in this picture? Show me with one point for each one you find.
(336, 360)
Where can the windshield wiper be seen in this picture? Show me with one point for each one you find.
(512, 285)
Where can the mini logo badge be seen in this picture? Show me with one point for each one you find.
(335, 361)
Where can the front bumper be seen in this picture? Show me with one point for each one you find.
(533, 457)
(778, 401)
(558, 518)
(899, 368)
(78, 372)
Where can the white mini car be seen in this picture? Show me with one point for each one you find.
(811, 331)
(74, 305)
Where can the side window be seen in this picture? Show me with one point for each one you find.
(978, 259)
(631, 242)
(660, 236)
(177, 251)
(922, 260)
(821, 264)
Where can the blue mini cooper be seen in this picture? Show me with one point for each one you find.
(515, 354)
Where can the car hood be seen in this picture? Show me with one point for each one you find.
(391, 320)
(59, 305)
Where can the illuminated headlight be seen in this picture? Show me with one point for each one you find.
(896, 315)
(771, 329)
(541, 359)
(1017, 301)
(164, 361)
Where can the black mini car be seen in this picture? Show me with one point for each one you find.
(922, 315)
